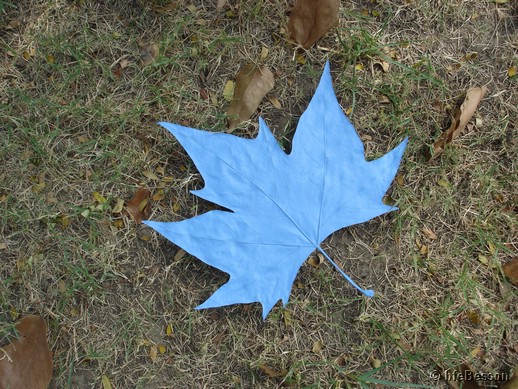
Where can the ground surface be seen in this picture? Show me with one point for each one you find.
(78, 113)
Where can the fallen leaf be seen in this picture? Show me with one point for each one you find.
(192, 8)
(283, 205)
(220, 4)
(444, 183)
(317, 347)
(29, 353)
(153, 353)
(29, 53)
(316, 262)
(483, 260)
(475, 352)
(340, 361)
(159, 195)
(99, 197)
(299, 58)
(471, 56)
(264, 53)
(275, 102)
(148, 53)
(511, 72)
(385, 66)
(220, 337)
(429, 233)
(137, 207)
(13, 24)
(312, 19)
(204, 94)
(271, 372)
(150, 175)
(119, 206)
(14, 313)
(252, 84)
(106, 382)
(510, 270)
(179, 255)
(166, 8)
(461, 118)
(169, 330)
(40, 183)
(228, 90)
(376, 363)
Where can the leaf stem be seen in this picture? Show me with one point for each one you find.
(366, 292)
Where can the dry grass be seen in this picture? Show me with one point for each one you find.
(73, 123)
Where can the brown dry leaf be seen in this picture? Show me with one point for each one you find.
(317, 347)
(429, 233)
(461, 118)
(13, 24)
(153, 353)
(316, 261)
(385, 66)
(252, 84)
(29, 353)
(511, 270)
(271, 372)
(220, 4)
(264, 53)
(179, 255)
(138, 206)
(312, 19)
(148, 53)
(382, 99)
(275, 102)
(165, 8)
(219, 338)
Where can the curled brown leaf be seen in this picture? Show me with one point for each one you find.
(462, 116)
(252, 84)
(138, 206)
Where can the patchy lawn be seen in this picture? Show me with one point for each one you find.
(78, 132)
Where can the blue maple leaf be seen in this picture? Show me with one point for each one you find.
(282, 206)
